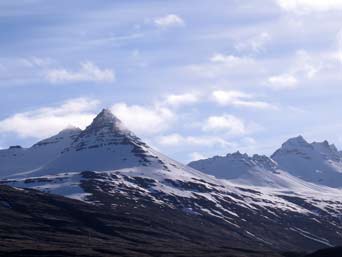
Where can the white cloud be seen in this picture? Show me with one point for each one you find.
(238, 98)
(305, 65)
(170, 20)
(35, 61)
(221, 65)
(172, 139)
(88, 72)
(179, 140)
(195, 156)
(284, 81)
(230, 60)
(228, 97)
(339, 46)
(310, 5)
(144, 120)
(47, 121)
(181, 99)
(254, 44)
(227, 123)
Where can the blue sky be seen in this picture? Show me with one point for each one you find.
(192, 78)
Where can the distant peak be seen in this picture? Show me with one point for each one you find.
(296, 142)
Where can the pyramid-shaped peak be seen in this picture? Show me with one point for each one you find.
(106, 117)
(106, 120)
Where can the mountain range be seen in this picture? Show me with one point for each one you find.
(318, 163)
(289, 201)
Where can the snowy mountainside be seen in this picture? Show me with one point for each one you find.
(108, 165)
(17, 159)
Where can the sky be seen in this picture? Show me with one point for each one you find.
(192, 78)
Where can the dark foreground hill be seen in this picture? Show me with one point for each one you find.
(39, 224)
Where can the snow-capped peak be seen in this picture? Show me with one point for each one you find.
(311, 150)
(318, 162)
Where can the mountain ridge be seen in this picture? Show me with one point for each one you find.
(316, 162)
(107, 166)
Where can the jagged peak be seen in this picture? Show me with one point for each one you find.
(237, 154)
(325, 148)
(325, 144)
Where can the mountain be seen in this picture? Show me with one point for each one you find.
(318, 162)
(106, 165)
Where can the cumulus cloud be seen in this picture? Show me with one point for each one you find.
(88, 72)
(47, 121)
(144, 120)
(181, 99)
(310, 5)
(238, 98)
(170, 20)
(284, 81)
(226, 123)
(207, 141)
